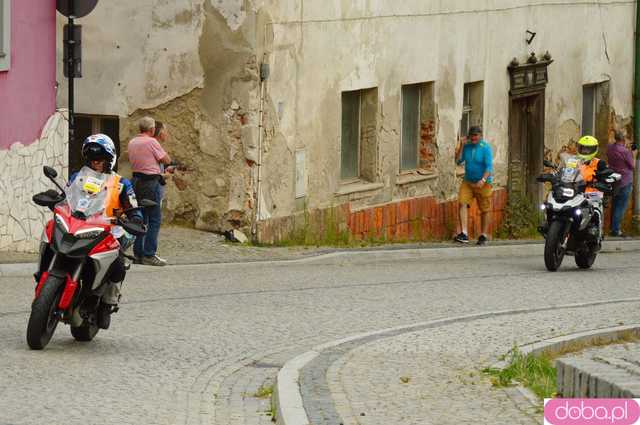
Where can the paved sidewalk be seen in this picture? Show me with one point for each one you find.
(181, 245)
(433, 376)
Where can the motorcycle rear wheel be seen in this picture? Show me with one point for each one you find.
(43, 321)
(553, 250)
(84, 333)
(585, 260)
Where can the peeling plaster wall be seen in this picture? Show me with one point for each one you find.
(192, 65)
(319, 49)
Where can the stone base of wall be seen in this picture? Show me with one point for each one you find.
(21, 221)
(417, 219)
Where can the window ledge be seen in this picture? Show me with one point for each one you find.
(416, 177)
(358, 187)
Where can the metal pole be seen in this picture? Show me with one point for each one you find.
(71, 70)
(636, 120)
(254, 230)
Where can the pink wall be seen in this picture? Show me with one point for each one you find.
(27, 89)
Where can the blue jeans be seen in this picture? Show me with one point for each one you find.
(147, 245)
(620, 202)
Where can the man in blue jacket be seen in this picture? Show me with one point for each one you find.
(478, 169)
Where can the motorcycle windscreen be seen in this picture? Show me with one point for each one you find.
(570, 171)
(88, 192)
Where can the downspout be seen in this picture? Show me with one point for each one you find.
(264, 74)
(636, 122)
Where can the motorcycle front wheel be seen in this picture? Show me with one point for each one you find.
(553, 250)
(585, 259)
(84, 333)
(44, 320)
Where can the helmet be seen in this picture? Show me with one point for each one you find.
(587, 148)
(97, 147)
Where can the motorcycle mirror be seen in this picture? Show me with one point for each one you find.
(49, 172)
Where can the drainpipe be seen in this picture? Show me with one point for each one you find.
(636, 122)
(264, 74)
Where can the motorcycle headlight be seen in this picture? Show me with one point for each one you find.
(568, 193)
(90, 233)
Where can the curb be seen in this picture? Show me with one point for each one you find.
(467, 252)
(287, 396)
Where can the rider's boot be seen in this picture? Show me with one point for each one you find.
(109, 304)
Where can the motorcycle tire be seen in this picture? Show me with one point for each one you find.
(553, 251)
(42, 322)
(84, 333)
(585, 260)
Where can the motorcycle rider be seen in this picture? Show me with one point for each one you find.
(99, 154)
(587, 151)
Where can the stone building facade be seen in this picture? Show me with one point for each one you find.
(342, 117)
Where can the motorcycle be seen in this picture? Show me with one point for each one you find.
(79, 245)
(574, 214)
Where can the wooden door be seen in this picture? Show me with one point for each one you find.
(526, 146)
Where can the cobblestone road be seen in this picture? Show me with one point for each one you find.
(192, 344)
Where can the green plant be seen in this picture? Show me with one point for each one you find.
(534, 372)
(264, 392)
(521, 218)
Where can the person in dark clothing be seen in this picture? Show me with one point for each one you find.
(621, 161)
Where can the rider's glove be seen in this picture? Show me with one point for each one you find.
(634, 147)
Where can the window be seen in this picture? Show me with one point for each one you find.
(359, 135)
(589, 108)
(471, 107)
(86, 125)
(418, 142)
(350, 135)
(5, 35)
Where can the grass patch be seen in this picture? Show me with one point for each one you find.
(264, 392)
(535, 373)
(538, 373)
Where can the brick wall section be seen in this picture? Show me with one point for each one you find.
(417, 219)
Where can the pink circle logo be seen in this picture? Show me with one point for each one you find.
(591, 411)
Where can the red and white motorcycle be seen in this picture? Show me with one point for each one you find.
(79, 246)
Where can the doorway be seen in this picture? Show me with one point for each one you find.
(86, 125)
(526, 145)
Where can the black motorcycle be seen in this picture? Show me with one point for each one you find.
(574, 213)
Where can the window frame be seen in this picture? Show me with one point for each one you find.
(467, 109)
(5, 35)
(404, 87)
(357, 177)
(593, 88)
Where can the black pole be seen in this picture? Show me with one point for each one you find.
(71, 70)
